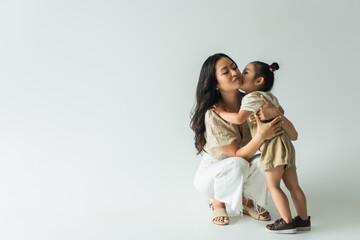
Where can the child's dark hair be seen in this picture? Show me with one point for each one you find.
(267, 72)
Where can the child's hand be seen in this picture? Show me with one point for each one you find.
(218, 108)
(253, 119)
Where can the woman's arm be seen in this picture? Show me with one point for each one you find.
(289, 128)
(267, 112)
(264, 132)
(236, 118)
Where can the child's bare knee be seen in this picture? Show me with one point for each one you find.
(272, 187)
(293, 188)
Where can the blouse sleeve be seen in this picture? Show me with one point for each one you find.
(218, 132)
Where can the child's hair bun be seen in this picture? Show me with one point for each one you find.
(274, 66)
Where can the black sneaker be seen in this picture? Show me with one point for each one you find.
(302, 225)
(280, 226)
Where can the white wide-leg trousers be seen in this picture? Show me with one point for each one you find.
(229, 179)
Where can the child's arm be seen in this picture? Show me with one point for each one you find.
(236, 118)
(265, 131)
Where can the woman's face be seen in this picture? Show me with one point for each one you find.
(248, 81)
(227, 74)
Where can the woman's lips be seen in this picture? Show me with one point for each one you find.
(237, 79)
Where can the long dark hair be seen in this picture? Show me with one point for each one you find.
(263, 70)
(206, 97)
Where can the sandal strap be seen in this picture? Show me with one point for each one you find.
(252, 212)
(219, 212)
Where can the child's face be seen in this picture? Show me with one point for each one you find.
(248, 80)
(228, 75)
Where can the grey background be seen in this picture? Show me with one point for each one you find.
(95, 99)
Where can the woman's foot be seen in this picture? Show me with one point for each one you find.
(249, 210)
(219, 215)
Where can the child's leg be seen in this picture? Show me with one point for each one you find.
(273, 178)
(298, 197)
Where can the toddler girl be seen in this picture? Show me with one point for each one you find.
(277, 154)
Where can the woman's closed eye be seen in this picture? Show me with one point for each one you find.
(228, 71)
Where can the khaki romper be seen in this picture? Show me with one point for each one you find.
(278, 150)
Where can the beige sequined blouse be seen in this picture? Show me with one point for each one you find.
(219, 132)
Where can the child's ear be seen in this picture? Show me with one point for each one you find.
(259, 81)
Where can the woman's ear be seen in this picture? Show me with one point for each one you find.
(259, 81)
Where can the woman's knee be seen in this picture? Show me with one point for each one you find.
(240, 164)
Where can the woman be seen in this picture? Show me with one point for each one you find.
(229, 173)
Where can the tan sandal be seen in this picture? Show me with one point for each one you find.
(219, 212)
(255, 214)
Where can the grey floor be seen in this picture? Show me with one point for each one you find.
(165, 207)
(156, 200)
(334, 218)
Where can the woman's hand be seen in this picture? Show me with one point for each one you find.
(264, 132)
(266, 112)
(269, 130)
